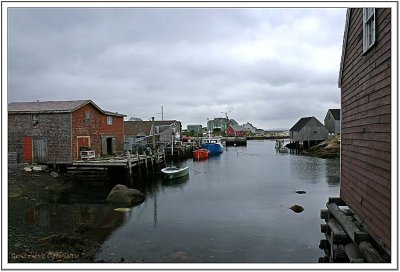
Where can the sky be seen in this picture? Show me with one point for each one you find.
(265, 66)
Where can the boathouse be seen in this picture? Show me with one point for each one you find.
(308, 131)
(332, 121)
(56, 131)
(358, 223)
(235, 131)
(365, 83)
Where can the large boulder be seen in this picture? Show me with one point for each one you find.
(121, 194)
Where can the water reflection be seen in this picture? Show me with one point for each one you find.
(70, 218)
(231, 208)
(333, 172)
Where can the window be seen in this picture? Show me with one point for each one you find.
(35, 119)
(109, 120)
(368, 28)
(87, 118)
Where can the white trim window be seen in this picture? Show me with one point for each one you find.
(109, 120)
(369, 32)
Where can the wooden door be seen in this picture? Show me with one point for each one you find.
(40, 150)
(27, 149)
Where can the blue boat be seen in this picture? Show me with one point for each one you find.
(213, 145)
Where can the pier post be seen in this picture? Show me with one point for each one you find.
(139, 164)
(145, 162)
(129, 165)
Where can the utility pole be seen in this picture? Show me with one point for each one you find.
(154, 136)
(162, 113)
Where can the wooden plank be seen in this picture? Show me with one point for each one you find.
(369, 253)
(338, 234)
(345, 221)
(353, 253)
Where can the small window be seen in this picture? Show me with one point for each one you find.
(315, 132)
(87, 118)
(35, 119)
(109, 120)
(368, 28)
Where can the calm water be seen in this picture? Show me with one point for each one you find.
(233, 208)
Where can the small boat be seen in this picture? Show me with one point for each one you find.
(213, 145)
(201, 154)
(173, 172)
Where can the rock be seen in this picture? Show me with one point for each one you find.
(54, 174)
(300, 192)
(45, 168)
(37, 168)
(122, 194)
(297, 208)
(27, 169)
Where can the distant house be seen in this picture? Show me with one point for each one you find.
(56, 131)
(137, 131)
(365, 82)
(307, 132)
(332, 121)
(236, 131)
(196, 129)
(220, 123)
(260, 132)
(250, 127)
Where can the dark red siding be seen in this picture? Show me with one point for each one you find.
(366, 125)
(231, 132)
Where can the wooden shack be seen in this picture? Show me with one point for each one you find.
(308, 131)
(236, 131)
(365, 82)
(332, 121)
(55, 132)
(163, 131)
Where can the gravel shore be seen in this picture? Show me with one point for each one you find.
(30, 243)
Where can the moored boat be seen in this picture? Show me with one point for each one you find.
(173, 172)
(201, 154)
(213, 145)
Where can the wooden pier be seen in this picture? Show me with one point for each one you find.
(346, 241)
(133, 165)
(235, 141)
(183, 151)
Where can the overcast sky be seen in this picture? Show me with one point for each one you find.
(266, 66)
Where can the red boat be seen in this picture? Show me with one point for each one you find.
(201, 154)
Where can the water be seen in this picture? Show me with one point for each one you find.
(233, 208)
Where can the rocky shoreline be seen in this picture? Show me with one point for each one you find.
(30, 243)
(329, 149)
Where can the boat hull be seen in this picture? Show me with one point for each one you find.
(173, 172)
(201, 154)
(214, 148)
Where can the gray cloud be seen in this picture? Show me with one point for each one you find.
(266, 66)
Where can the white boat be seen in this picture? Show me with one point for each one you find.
(173, 172)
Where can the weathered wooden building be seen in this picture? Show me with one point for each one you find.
(332, 121)
(163, 130)
(307, 132)
(365, 82)
(55, 131)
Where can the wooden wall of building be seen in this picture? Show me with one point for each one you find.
(366, 125)
(96, 130)
(312, 131)
(55, 129)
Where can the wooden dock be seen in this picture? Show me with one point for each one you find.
(133, 165)
(346, 240)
